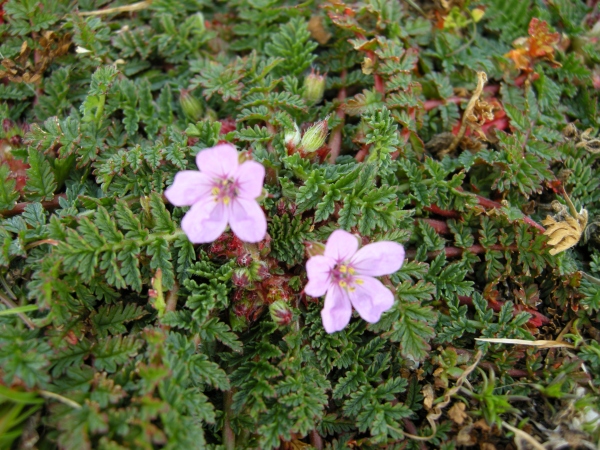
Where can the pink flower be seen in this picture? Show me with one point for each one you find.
(223, 192)
(346, 274)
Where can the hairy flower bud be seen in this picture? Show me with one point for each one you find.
(315, 136)
(281, 313)
(240, 277)
(315, 87)
(192, 108)
(314, 248)
(292, 136)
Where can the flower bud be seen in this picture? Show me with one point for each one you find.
(314, 248)
(281, 313)
(198, 23)
(314, 87)
(315, 136)
(240, 277)
(292, 136)
(192, 108)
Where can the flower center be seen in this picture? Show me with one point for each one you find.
(344, 275)
(224, 190)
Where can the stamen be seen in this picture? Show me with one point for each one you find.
(351, 270)
(343, 269)
(359, 281)
(343, 284)
(226, 200)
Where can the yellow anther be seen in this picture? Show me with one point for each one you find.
(359, 281)
(351, 288)
(343, 284)
(343, 269)
(215, 191)
(351, 270)
(226, 200)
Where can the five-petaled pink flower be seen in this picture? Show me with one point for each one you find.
(223, 192)
(346, 274)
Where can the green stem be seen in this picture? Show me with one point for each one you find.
(18, 309)
(100, 109)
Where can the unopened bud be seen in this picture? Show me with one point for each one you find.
(198, 21)
(292, 136)
(314, 248)
(281, 313)
(315, 136)
(192, 108)
(314, 87)
(240, 277)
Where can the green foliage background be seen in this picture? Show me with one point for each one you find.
(88, 359)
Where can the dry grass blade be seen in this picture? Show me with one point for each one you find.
(520, 436)
(539, 343)
(119, 9)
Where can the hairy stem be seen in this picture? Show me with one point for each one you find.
(335, 142)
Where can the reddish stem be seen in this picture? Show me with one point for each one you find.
(430, 104)
(439, 226)
(316, 440)
(335, 142)
(442, 212)
(537, 319)
(362, 153)
(482, 201)
(453, 252)
(379, 85)
(49, 205)
(487, 203)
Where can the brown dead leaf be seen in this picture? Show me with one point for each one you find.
(589, 141)
(317, 30)
(565, 234)
(487, 446)
(367, 66)
(481, 113)
(22, 70)
(429, 396)
(482, 425)
(466, 436)
(457, 413)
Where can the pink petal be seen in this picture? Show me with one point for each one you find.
(250, 177)
(337, 310)
(318, 269)
(218, 161)
(371, 299)
(189, 186)
(205, 221)
(379, 258)
(341, 245)
(247, 220)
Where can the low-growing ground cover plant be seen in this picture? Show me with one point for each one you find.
(195, 196)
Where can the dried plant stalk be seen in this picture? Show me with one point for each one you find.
(481, 80)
